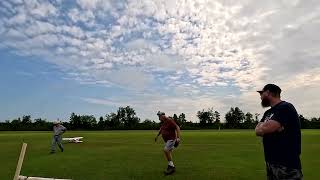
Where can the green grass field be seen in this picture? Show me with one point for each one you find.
(133, 155)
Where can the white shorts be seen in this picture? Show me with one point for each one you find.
(169, 145)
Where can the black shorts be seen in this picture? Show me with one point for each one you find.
(279, 172)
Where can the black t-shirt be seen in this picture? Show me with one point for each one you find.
(283, 148)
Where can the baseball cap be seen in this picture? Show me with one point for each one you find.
(272, 88)
(160, 113)
(57, 122)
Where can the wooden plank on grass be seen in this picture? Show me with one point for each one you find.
(20, 161)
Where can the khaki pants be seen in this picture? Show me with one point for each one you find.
(56, 139)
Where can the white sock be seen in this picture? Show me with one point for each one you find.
(170, 163)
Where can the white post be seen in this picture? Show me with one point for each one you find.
(23, 151)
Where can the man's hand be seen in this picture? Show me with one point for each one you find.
(155, 139)
(176, 144)
(258, 129)
(178, 140)
(268, 127)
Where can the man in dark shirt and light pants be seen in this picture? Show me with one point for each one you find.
(280, 130)
(170, 132)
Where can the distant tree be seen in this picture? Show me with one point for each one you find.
(249, 121)
(217, 117)
(75, 121)
(40, 121)
(256, 115)
(127, 117)
(303, 121)
(249, 117)
(16, 124)
(112, 121)
(206, 117)
(182, 119)
(314, 119)
(26, 120)
(41, 124)
(176, 119)
(149, 124)
(88, 122)
(203, 117)
(234, 117)
(101, 123)
(82, 121)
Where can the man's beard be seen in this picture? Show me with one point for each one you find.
(265, 103)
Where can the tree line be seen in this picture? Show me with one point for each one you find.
(125, 119)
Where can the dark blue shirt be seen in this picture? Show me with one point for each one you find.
(283, 148)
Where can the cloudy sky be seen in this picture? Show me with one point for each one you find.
(93, 56)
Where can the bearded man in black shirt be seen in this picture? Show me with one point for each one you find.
(280, 131)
